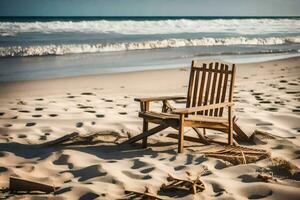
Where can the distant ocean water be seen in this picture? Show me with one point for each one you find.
(136, 41)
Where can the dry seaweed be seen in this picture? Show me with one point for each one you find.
(267, 178)
(236, 154)
(143, 195)
(193, 186)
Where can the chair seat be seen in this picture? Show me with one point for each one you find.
(169, 116)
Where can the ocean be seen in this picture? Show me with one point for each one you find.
(33, 48)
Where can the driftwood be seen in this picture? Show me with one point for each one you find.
(76, 139)
(237, 154)
(22, 185)
(62, 139)
(193, 186)
(144, 195)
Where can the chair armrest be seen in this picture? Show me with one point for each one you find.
(148, 99)
(201, 108)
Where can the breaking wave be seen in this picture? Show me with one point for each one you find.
(146, 27)
(61, 49)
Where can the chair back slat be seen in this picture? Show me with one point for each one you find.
(207, 87)
(196, 89)
(219, 89)
(224, 89)
(203, 77)
(190, 89)
(210, 83)
(213, 88)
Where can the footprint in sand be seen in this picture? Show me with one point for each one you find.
(36, 115)
(283, 81)
(122, 105)
(258, 98)
(246, 178)
(90, 111)
(123, 113)
(181, 167)
(264, 124)
(79, 124)
(7, 125)
(292, 92)
(87, 93)
(281, 88)
(136, 176)
(84, 107)
(292, 83)
(30, 124)
(263, 194)
(296, 110)
(22, 136)
(257, 93)
(108, 100)
(15, 117)
(279, 102)
(272, 109)
(39, 109)
(53, 115)
(43, 137)
(218, 189)
(24, 111)
(2, 113)
(89, 172)
(265, 102)
(93, 123)
(3, 169)
(138, 164)
(71, 97)
(100, 115)
(39, 99)
(63, 160)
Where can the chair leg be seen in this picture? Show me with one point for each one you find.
(230, 127)
(145, 128)
(181, 134)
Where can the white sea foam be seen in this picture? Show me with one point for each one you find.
(62, 49)
(241, 26)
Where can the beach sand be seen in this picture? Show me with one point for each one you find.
(35, 112)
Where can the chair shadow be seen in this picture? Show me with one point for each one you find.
(101, 150)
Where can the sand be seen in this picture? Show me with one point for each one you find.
(35, 112)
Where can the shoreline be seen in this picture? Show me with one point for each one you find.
(54, 67)
(7, 88)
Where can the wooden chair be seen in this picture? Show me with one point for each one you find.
(210, 91)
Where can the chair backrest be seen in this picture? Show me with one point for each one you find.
(210, 82)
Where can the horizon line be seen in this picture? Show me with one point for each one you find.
(172, 16)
